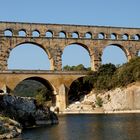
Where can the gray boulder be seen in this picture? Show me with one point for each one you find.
(25, 111)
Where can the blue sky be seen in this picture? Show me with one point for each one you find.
(124, 13)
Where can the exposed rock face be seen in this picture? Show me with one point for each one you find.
(120, 99)
(25, 111)
(123, 99)
(9, 128)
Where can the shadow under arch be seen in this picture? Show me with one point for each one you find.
(43, 53)
(121, 47)
(42, 81)
(78, 89)
(50, 88)
(77, 45)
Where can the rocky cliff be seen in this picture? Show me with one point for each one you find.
(118, 100)
(25, 111)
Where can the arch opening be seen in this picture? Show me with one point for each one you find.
(113, 36)
(114, 54)
(28, 56)
(75, 35)
(38, 88)
(49, 34)
(125, 37)
(35, 33)
(22, 33)
(8, 32)
(78, 89)
(62, 34)
(101, 36)
(136, 37)
(88, 35)
(76, 57)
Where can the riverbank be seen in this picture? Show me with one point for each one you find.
(101, 112)
(119, 100)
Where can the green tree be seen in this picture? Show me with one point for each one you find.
(67, 68)
(79, 67)
(127, 73)
(42, 96)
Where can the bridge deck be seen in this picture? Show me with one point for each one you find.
(48, 72)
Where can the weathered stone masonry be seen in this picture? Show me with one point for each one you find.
(53, 38)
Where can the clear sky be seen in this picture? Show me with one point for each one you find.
(124, 13)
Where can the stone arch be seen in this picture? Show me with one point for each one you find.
(49, 34)
(77, 90)
(113, 36)
(8, 32)
(125, 36)
(32, 43)
(80, 45)
(124, 49)
(136, 37)
(22, 33)
(44, 82)
(62, 34)
(101, 35)
(35, 33)
(88, 35)
(75, 34)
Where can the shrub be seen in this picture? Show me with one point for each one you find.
(40, 100)
(109, 77)
(128, 73)
(99, 101)
(42, 96)
(104, 77)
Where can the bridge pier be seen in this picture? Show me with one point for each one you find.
(62, 101)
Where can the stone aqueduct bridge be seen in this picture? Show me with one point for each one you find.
(53, 38)
(56, 81)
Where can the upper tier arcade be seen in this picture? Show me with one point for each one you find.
(53, 38)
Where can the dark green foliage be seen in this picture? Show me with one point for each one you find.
(90, 80)
(79, 67)
(32, 88)
(99, 101)
(40, 99)
(108, 76)
(102, 78)
(43, 95)
(128, 73)
(28, 88)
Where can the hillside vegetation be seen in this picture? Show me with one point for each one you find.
(106, 78)
(109, 76)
